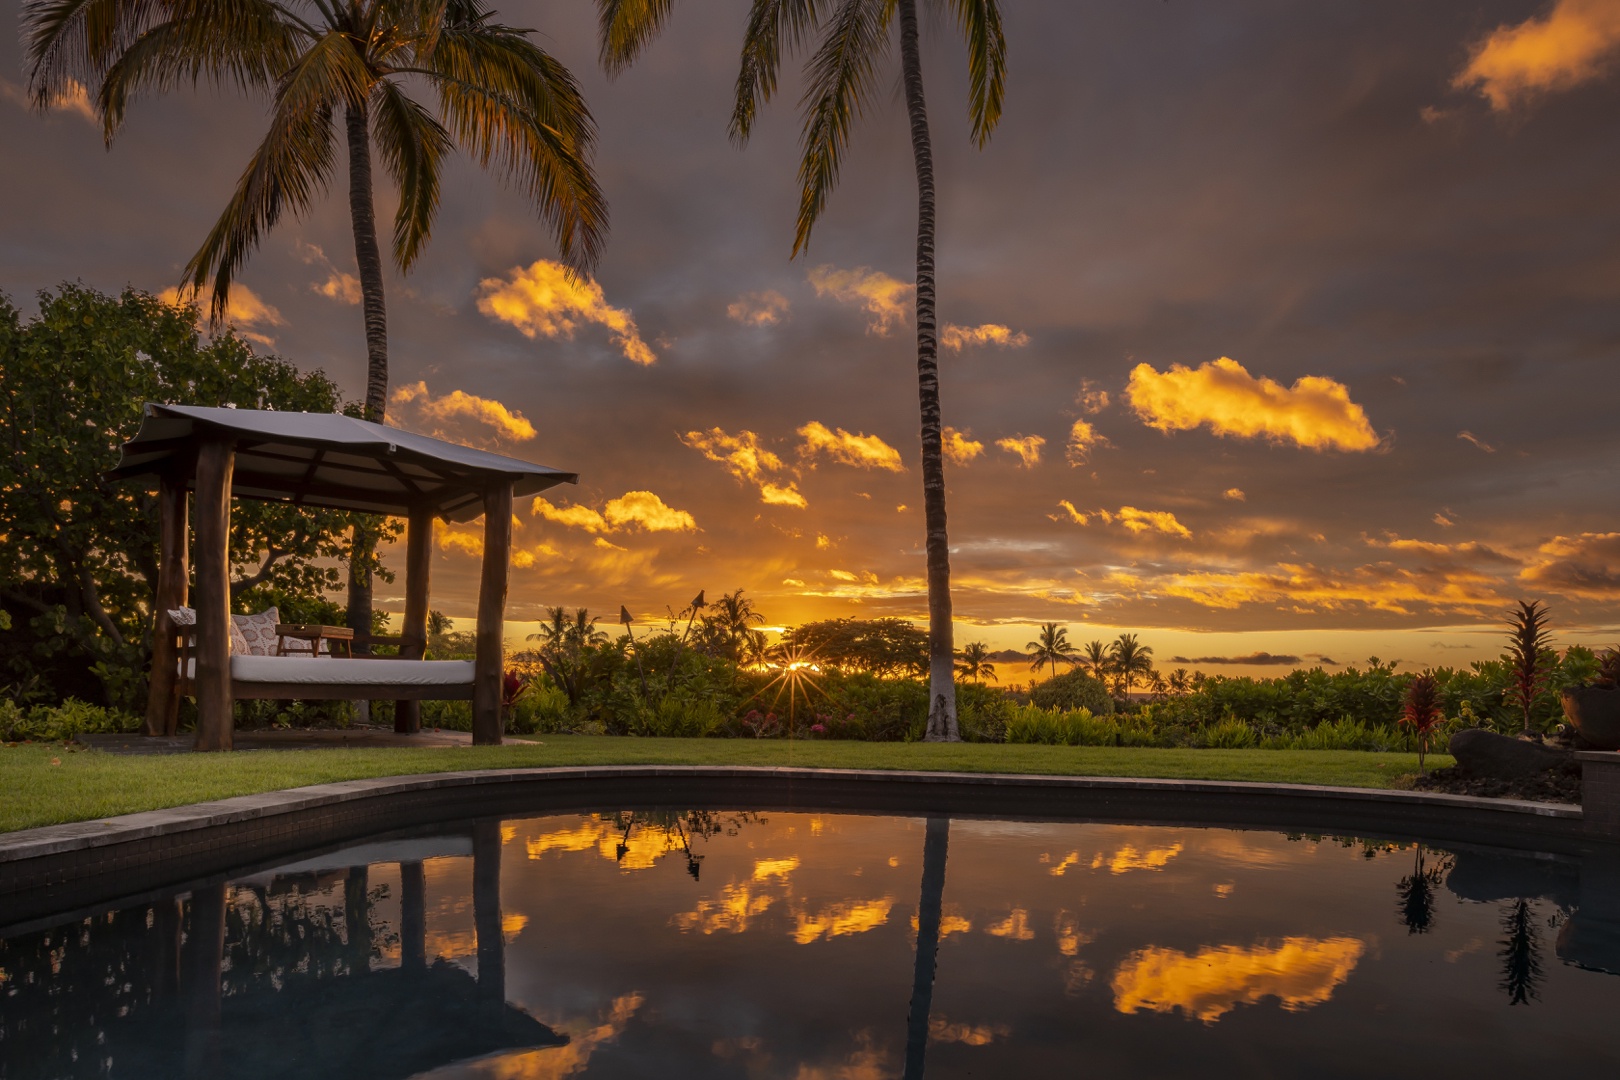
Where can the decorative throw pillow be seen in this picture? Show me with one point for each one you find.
(258, 631)
(239, 643)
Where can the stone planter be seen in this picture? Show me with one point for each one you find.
(1595, 712)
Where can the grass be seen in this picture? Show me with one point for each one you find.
(48, 785)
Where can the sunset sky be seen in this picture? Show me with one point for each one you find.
(1268, 327)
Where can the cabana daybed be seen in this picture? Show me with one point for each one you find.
(336, 462)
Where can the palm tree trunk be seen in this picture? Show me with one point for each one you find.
(369, 261)
(941, 644)
(930, 908)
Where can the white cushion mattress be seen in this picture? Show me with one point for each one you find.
(310, 671)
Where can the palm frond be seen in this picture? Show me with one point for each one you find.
(175, 53)
(413, 145)
(774, 26)
(509, 103)
(840, 78)
(626, 27)
(980, 22)
(68, 41)
(291, 164)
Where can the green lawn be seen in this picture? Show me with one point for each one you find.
(45, 785)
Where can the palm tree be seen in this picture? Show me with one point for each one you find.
(1180, 681)
(500, 97)
(1051, 647)
(1093, 659)
(973, 662)
(841, 82)
(1129, 660)
(729, 626)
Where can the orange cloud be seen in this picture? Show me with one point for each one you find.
(460, 405)
(1469, 436)
(1083, 438)
(72, 97)
(955, 337)
(244, 309)
(1128, 858)
(1235, 494)
(1026, 447)
(1300, 972)
(746, 459)
(634, 509)
(338, 285)
(959, 448)
(1091, 399)
(544, 301)
(1315, 412)
(883, 297)
(1568, 45)
(1581, 566)
(861, 451)
(837, 920)
(1127, 517)
(1382, 587)
(759, 308)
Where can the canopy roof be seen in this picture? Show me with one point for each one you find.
(329, 460)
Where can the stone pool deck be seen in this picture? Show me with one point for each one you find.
(93, 865)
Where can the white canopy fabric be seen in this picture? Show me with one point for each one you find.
(332, 461)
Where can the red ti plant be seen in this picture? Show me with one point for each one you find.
(1422, 713)
(1528, 637)
(512, 684)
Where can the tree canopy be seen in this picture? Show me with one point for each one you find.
(885, 647)
(79, 567)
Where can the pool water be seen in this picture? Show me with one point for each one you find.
(808, 946)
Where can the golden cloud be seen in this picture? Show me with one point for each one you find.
(1090, 398)
(460, 405)
(340, 286)
(1469, 436)
(545, 301)
(1563, 48)
(732, 913)
(1315, 412)
(1015, 927)
(1083, 438)
(1299, 973)
(956, 337)
(959, 447)
(72, 97)
(1129, 518)
(1026, 447)
(747, 459)
(1235, 494)
(942, 1030)
(1128, 858)
(861, 451)
(243, 309)
(759, 308)
(1381, 587)
(883, 297)
(837, 920)
(633, 509)
(1581, 566)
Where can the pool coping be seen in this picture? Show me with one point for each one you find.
(58, 867)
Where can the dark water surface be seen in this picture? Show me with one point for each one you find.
(708, 944)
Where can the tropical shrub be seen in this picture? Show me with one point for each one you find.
(1073, 690)
(59, 723)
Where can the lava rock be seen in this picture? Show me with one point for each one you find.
(1485, 753)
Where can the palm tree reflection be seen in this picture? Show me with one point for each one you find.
(930, 905)
(1417, 894)
(1520, 953)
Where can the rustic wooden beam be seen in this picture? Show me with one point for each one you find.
(491, 937)
(412, 916)
(418, 566)
(215, 461)
(162, 698)
(488, 661)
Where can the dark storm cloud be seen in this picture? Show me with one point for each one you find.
(1296, 187)
(1258, 659)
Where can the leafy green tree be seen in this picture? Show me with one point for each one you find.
(840, 75)
(79, 568)
(500, 97)
(1050, 648)
(1129, 661)
(729, 628)
(884, 647)
(973, 662)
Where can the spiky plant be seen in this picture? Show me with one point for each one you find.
(1608, 673)
(1528, 671)
(1422, 712)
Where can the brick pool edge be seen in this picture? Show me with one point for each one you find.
(61, 869)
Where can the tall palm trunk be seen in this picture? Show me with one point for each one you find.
(930, 908)
(941, 644)
(369, 261)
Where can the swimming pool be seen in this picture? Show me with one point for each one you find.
(803, 945)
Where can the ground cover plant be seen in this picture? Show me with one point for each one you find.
(49, 783)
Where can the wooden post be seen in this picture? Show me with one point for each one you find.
(418, 564)
(162, 703)
(487, 911)
(412, 916)
(205, 956)
(488, 662)
(216, 460)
